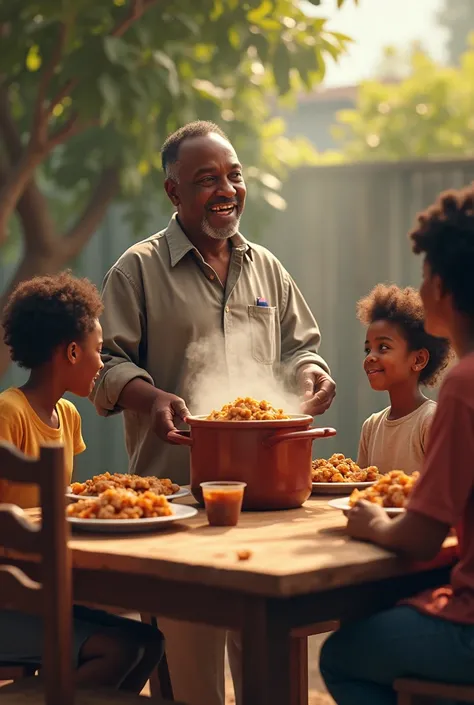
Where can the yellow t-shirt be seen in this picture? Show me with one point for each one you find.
(21, 426)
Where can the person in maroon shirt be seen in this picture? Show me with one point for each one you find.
(430, 636)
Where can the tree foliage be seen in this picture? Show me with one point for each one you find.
(89, 89)
(95, 86)
(457, 17)
(430, 113)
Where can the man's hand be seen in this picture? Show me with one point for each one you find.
(166, 409)
(318, 389)
(364, 520)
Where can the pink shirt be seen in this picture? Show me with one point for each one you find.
(445, 490)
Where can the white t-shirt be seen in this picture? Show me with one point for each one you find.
(397, 444)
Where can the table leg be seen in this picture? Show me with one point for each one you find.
(299, 671)
(254, 654)
(266, 655)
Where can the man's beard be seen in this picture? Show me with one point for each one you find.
(221, 233)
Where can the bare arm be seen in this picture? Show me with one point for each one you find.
(138, 395)
(413, 535)
(440, 496)
(164, 409)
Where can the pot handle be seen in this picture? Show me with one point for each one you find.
(310, 433)
(180, 438)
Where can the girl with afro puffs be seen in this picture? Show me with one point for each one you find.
(400, 357)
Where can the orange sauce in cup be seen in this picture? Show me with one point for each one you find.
(223, 502)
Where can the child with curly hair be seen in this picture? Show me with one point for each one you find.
(400, 356)
(429, 636)
(51, 325)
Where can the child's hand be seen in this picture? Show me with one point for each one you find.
(364, 519)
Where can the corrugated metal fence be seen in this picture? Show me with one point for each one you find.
(344, 230)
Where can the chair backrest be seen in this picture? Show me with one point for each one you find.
(49, 539)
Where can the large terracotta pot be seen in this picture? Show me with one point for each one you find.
(272, 457)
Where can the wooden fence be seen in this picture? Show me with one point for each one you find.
(344, 230)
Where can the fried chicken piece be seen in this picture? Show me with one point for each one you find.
(121, 504)
(391, 490)
(341, 469)
(135, 483)
(247, 409)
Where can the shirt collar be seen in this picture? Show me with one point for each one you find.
(179, 244)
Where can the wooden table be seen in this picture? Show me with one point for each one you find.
(302, 570)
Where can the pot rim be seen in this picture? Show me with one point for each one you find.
(295, 421)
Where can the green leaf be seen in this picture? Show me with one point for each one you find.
(111, 94)
(119, 52)
(257, 15)
(167, 63)
(281, 68)
(221, 60)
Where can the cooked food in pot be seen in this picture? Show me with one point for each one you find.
(135, 483)
(341, 469)
(392, 490)
(247, 409)
(121, 504)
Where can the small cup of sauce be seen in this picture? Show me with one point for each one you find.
(223, 501)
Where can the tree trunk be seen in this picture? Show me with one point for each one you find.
(33, 264)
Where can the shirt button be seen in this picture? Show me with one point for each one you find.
(227, 309)
(211, 277)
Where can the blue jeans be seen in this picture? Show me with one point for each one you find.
(360, 662)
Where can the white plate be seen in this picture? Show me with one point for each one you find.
(182, 492)
(343, 504)
(339, 487)
(128, 526)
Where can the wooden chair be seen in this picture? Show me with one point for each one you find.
(416, 692)
(52, 597)
(12, 671)
(299, 658)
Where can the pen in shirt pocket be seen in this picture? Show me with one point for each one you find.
(261, 301)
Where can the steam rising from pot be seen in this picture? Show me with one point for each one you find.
(221, 370)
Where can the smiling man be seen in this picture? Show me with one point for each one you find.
(197, 278)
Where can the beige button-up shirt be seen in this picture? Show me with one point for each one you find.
(167, 317)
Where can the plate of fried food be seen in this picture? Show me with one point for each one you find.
(133, 483)
(392, 492)
(118, 510)
(341, 475)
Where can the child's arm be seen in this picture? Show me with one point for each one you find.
(414, 535)
(10, 432)
(10, 426)
(78, 442)
(440, 495)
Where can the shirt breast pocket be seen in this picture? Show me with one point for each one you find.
(262, 321)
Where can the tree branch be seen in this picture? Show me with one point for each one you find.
(40, 115)
(18, 178)
(35, 152)
(137, 9)
(62, 93)
(71, 127)
(86, 225)
(33, 210)
(8, 130)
